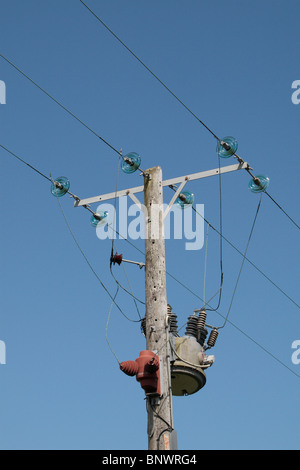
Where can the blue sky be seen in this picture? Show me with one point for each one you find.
(233, 63)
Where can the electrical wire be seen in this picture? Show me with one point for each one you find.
(259, 345)
(109, 145)
(135, 299)
(50, 179)
(105, 141)
(90, 265)
(205, 264)
(132, 295)
(26, 163)
(149, 70)
(69, 227)
(238, 251)
(178, 100)
(247, 259)
(221, 238)
(115, 202)
(243, 262)
(216, 137)
(221, 234)
(200, 215)
(279, 206)
(159, 80)
(81, 122)
(60, 104)
(113, 245)
(168, 273)
(220, 314)
(107, 323)
(157, 414)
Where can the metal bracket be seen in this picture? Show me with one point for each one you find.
(177, 193)
(171, 182)
(136, 201)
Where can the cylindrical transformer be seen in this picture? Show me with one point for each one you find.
(187, 375)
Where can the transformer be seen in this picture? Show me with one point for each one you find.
(189, 359)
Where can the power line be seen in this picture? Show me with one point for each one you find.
(112, 304)
(118, 152)
(220, 314)
(188, 289)
(160, 81)
(179, 100)
(91, 267)
(60, 104)
(221, 234)
(72, 233)
(216, 230)
(265, 350)
(150, 71)
(134, 246)
(248, 260)
(67, 223)
(105, 141)
(25, 163)
(279, 206)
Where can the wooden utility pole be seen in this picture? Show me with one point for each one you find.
(160, 415)
(161, 434)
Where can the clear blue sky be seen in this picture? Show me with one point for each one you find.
(233, 63)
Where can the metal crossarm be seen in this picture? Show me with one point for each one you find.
(170, 182)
